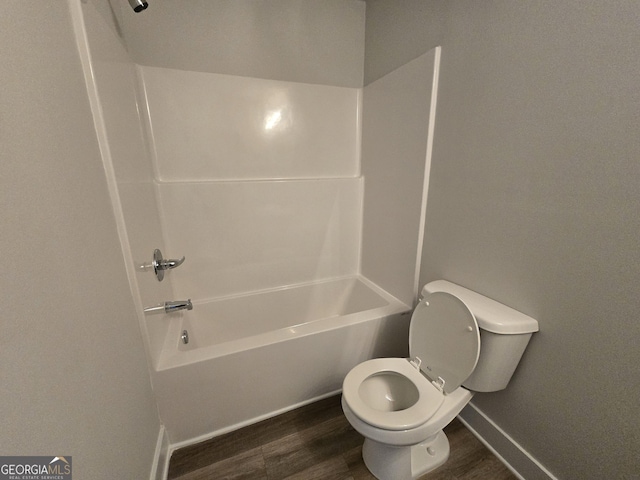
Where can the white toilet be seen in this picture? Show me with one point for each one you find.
(457, 337)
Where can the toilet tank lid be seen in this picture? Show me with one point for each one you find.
(492, 316)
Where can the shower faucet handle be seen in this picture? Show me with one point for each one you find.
(169, 264)
(161, 264)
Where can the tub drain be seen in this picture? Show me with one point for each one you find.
(184, 337)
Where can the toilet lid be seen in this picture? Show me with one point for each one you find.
(444, 334)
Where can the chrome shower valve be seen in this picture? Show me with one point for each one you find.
(160, 264)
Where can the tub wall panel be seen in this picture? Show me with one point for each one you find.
(394, 163)
(248, 236)
(221, 127)
(140, 212)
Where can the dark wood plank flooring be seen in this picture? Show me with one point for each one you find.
(316, 442)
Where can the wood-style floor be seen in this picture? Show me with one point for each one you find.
(316, 442)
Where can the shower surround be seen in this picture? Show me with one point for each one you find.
(258, 180)
(259, 184)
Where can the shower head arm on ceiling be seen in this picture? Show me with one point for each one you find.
(138, 5)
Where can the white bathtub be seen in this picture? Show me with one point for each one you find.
(253, 356)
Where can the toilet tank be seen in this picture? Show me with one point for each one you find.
(504, 335)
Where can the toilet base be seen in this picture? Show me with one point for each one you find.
(387, 462)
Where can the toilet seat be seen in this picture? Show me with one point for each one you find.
(444, 336)
(428, 401)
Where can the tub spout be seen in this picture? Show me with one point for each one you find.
(168, 307)
(179, 305)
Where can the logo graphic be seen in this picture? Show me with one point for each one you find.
(35, 468)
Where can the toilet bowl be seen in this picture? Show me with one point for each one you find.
(395, 425)
(401, 405)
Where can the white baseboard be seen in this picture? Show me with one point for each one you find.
(160, 467)
(517, 459)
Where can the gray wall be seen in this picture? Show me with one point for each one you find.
(72, 365)
(533, 201)
(294, 40)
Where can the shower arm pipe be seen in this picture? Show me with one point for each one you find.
(138, 5)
